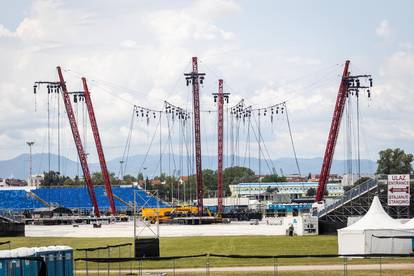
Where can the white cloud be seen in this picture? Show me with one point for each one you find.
(148, 50)
(383, 30)
(4, 32)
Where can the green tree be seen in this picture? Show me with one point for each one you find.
(394, 161)
(97, 179)
(311, 192)
(53, 178)
(236, 175)
(128, 179)
(210, 182)
(68, 182)
(273, 178)
(140, 176)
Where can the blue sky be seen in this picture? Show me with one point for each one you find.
(267, 52)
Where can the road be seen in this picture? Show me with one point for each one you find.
(406, 266)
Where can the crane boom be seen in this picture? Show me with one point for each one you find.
(78, 142)
(333, 134)
(99, 148)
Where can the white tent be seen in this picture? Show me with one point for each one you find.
(409, 224)
(369, 234)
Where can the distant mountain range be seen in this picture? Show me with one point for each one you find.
(18, 166)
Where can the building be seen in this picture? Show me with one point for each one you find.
(3, 182)
(333, 178)
(36, 180)
(183, 180)
(12, 182)
(155, 182)
(293, 189)
(296, 178)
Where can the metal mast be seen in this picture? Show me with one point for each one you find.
(219, 98)
(30, 144)
(78, 142)
(99, 148)
(196, 78)
(333, 134)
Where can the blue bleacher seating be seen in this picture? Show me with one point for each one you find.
(17, 199)
(75, 197)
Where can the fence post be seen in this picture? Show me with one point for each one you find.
(208, 264)
(380, 265)
(86, 263)
(345, 266)
(98, 262)
(174, 267)
(119, 263)
(109, 263)
(275, 266)
(130, 263)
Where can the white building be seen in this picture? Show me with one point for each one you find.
(35, 180)
(287, 188)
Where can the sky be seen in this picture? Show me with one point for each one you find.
(267, 52)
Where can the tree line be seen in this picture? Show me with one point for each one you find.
(391, 161)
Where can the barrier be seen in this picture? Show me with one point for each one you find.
(107, 250)
(273, 259)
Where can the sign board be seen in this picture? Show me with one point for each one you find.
(398, 189)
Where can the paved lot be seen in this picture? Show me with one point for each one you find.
(127, 230)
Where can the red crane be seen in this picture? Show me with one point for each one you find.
(78, 142)
(196, 78)
(333, 134)
(99, 148)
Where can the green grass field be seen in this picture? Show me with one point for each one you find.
(241, 245)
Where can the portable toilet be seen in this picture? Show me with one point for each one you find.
(58, 260)
(67, 263)
(3, 262)
(28, 267)
(14, 265)
(49, 259)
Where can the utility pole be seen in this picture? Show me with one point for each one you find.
(219, 98)
(196, 78)
(30, 144)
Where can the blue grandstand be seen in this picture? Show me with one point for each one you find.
(75, 198)
(18, 199)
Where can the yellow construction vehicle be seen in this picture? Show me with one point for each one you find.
(166, 214)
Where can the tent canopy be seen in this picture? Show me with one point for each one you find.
(409, 224)
(362, 236)
(375, 218)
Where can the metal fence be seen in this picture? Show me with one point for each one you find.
(204, 263)
(105, 252)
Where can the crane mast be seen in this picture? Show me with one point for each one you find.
(78, 142)
(220, 102)
(333, 134)
(99, 148)
(196, 78)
